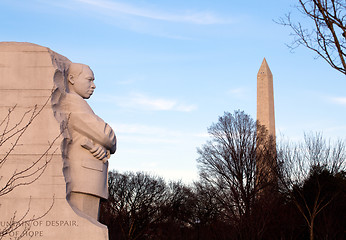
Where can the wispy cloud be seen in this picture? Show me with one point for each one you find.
(141, 129)
(143, 102)
(339, 100)
(137, 139)
(148, 134)
(236, 91)
(187, 17)
(240, 92)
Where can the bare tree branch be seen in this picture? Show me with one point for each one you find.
(325, 34)
(308, 169)
(11, 133)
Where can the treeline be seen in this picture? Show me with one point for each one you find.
(249, 188)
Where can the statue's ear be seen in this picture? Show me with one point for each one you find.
(70, 78)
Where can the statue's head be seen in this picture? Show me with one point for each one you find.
(81, 80)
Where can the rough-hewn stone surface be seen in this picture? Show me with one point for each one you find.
(27, 80)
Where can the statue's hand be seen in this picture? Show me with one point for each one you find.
(99, 152)
(96, 150)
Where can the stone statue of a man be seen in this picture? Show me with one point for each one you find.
(90, 143)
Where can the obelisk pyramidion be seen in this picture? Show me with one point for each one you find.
(265, 98)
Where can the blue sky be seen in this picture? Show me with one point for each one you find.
(165, 70)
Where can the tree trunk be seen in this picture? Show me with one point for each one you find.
(312, 228)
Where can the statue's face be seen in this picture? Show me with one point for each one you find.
(84, 84)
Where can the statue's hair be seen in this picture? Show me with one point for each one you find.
(76, 69)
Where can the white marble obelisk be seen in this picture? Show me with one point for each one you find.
(265, 98)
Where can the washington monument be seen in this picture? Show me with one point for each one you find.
(266, 118)
(265, 98)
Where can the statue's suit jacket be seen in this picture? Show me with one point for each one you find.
(83, 172)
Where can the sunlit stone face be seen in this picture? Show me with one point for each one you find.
(84, 84)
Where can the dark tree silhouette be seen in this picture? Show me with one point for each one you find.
(211, 222)
(239, 164)
(133, 209)
(178, 217)
(248, 189)
(308, 172)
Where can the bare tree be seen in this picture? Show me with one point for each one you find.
(23, 222)
(180, 204)
(325, 33)
(177, 213)
(211, 222)
(11, 134)
(305, 168)
(134, 205)
(238, 163)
